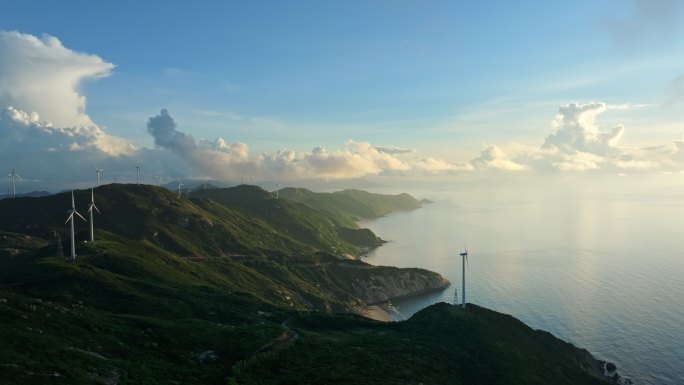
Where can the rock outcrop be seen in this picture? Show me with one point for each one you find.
(394, 283)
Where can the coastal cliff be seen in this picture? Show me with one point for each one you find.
(391, 284)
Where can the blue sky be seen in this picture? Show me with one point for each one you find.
(448, 80)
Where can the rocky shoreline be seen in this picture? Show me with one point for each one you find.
(387, 285)
(609, 371)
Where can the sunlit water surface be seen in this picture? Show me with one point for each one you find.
(604, 271)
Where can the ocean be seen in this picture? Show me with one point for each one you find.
(601, 267)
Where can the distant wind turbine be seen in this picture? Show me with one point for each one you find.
(98, 171)
(464, 258)
(71, 218)
(137, 175)
(158, 178)
(92, 206)
(14, 176)
(277, 190)
(180, 185)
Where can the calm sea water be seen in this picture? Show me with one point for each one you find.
(601, 269)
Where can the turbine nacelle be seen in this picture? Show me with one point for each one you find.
(91, 205)
(73, 211)
(13, 174)
(71, 218)
(98, 171)
(180, 185)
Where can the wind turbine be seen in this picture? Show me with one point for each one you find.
(71, 218)
(14, 176)
(137, 173)
(158, 178)
(180, 184)
(277, 190)
(92, 206)
(464, 258)
(98, 171)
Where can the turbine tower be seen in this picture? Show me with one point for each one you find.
(92, 206)
(98, 171)
(180, 184)
(158, 178)
(137, 175)
(14, 176)
(464, 258)
(71, 218)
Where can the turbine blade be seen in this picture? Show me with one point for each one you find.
(96, 209)
(73, 203)
(70, 217)
(76, 212)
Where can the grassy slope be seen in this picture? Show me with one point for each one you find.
(352, 205)
(442, 344)
(237, 220)
(322, 229)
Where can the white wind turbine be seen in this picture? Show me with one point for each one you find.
(71, 218)
(137, 175)
(14, 176)
(464, 258)
(98, 171)
(180, 185)
(92, 206)
(158, 178)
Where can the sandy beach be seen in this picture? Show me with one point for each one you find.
(376, 312)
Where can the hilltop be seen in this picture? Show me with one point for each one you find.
(351, 204)
(441, 344)
(234, 285)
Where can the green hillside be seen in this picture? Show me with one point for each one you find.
(442, 344)
(351, 204)
(230, 286)
(321, 229)
(243, 219)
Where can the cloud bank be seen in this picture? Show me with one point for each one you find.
(47, 131)
(579, 144)
(224, 160)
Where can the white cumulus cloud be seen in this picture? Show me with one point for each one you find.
(40, 74)
(578, 143)
(576, 130)
(24, 131)
(494, 157)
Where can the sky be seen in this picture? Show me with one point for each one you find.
(286, 91)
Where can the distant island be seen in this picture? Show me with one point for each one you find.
(240, 285)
